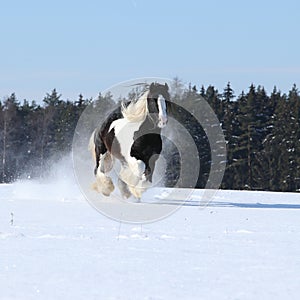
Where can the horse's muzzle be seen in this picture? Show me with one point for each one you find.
(162, 121)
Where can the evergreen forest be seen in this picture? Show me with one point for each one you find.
(261, 130)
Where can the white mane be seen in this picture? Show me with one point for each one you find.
(136, 111)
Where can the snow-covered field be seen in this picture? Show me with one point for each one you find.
(54, 245)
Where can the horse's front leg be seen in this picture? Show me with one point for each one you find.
(150, 166)
(132, 175)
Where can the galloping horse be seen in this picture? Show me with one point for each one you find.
(131, 134)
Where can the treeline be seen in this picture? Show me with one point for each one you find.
(262, 133)
(33, 135)
(263, 137)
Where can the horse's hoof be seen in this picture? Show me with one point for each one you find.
(103, 184)
(126, 194)
(106, 191)
(136, 192)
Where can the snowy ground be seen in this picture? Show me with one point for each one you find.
(243, 245)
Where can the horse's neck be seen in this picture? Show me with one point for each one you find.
(150, 124)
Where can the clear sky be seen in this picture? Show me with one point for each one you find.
(87, 46)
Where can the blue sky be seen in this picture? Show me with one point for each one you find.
(87, 46)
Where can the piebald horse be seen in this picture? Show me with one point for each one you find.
(131, 134)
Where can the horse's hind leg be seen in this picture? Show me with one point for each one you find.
(104, 164)
(103, 183)
(123, 187)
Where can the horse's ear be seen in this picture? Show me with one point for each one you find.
(151, 86)
(167, 87)
(170, 107)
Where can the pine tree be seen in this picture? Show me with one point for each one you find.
(229, 125)
(265, 160)
(213, 99)
(177, 88)
(10, 139)
(242, 153)
(293, 139)
(27, 138)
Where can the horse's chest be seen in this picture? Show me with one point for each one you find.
(124, 134)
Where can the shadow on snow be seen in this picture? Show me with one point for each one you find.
(203, 203)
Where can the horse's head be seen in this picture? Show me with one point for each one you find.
(156, 100)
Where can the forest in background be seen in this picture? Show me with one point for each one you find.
(262, 133)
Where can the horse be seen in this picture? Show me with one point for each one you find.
(132, 135)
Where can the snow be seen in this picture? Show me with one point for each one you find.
(242, 245)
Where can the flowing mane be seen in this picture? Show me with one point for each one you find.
(137, 110)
